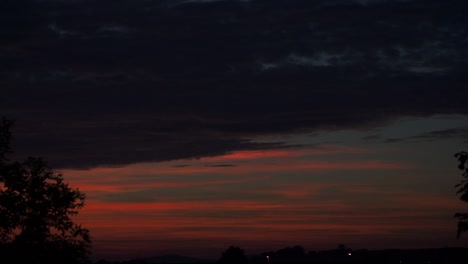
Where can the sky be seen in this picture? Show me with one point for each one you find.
(194, 125)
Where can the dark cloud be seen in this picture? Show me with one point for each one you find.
(181, 166)
(459, 133)
(222, 165)
(114, 82)
(445, 134)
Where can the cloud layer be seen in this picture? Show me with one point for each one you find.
(184, 79)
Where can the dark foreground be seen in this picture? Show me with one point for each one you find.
(293, 255)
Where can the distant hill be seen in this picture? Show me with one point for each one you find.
(174, 259)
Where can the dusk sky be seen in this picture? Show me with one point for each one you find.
(193, 125)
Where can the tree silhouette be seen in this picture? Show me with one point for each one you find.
(463, 191)
(295, 253)
(5, 136)
(233, 255)
(36, 207)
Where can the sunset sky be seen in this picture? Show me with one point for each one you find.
(193, 125)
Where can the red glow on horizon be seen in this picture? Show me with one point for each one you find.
(259, 196)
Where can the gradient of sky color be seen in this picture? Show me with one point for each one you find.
(195, 125)
(339, 187)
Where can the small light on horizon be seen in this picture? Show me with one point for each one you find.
(349, 254)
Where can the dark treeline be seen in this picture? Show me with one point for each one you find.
(341, 254)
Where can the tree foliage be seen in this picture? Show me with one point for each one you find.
(36, 210)
(233, 255)
(463, 191)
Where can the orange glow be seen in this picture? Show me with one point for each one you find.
(257, 197)
(195, 206)
(290, 153)
(256, 155)
(114, 185)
